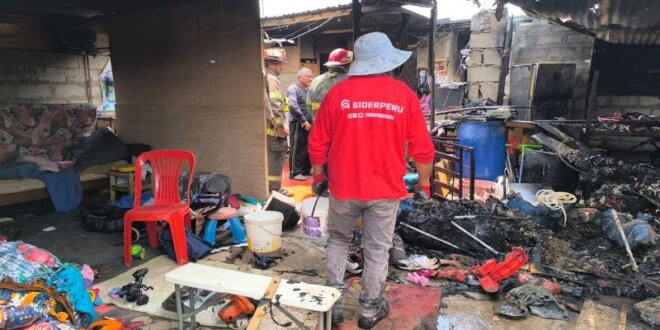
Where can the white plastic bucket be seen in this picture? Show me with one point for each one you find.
(264, 231)
(313, 227)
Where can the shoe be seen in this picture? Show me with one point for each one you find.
(299, 177)
(354, 263)
(417, 262)
(286, 193)
(353, 267)
(370, 322)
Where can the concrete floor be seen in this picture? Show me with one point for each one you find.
(104, 250)
(71, 244)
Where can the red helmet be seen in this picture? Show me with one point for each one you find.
(339, 57)
(277, 55)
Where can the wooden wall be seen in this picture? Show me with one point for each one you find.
(189, 76)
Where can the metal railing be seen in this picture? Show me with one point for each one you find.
(447, 148)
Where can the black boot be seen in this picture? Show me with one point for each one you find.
(337, 311)
(370, 322)
(337, 316)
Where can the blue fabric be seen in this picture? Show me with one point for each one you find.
(18, 171)
(126, 201)
(69, 280)
(251, 200)
(638, 233)
(541, 214)
(406, 205)
(64, 188)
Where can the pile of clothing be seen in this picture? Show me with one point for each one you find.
(38, 291)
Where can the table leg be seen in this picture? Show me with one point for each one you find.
(321, 321)
(131, 185)
(328, 319)
(179, 311)
(192, 300)
(113, 182)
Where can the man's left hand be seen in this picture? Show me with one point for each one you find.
(306, 125)
(320, 184)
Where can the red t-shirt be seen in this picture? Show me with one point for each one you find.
(361, 131)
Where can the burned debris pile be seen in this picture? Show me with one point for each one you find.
(497, 225)
(605, 243)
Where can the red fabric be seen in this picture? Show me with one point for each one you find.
(361, 130)
(318, 178)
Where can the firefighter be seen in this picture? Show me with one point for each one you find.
(276, 107)
(337, 64)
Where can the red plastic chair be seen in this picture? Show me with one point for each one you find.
(166, 166)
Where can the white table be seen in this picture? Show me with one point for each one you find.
(290, 293)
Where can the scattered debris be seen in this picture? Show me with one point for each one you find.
(417, 279)
(649, 311)
(303, 272)
(531, 299)
(264, 262)
(493, 223)
(236, 252)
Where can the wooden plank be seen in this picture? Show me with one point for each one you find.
(454, 174)
(42, 193)
(596, 316)
(446, 186)
(518, 134)
(623, 317)
(263, 305)
(184, 90)
(24, 196)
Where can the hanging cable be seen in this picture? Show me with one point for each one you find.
(310, 30)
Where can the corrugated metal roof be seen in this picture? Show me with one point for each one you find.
(309, 12)
(615, 21)
(348, 6)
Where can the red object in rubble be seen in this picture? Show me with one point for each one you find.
(456, 274)
(552, 287)
(491, 272)
(513, 145)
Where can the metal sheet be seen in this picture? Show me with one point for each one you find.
(615, 21)
(521, 84)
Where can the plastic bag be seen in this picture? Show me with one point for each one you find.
(639, 233)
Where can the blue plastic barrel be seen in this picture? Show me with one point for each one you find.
(488, 138)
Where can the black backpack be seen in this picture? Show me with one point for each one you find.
(103, 218)
(197, 249)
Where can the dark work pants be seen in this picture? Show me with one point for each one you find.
(299, 163)
(276, 153)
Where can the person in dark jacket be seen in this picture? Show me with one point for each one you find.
(300, 122)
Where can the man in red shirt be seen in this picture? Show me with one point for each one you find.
(361, 132)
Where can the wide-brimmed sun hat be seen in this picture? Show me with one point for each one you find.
(375, 54)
